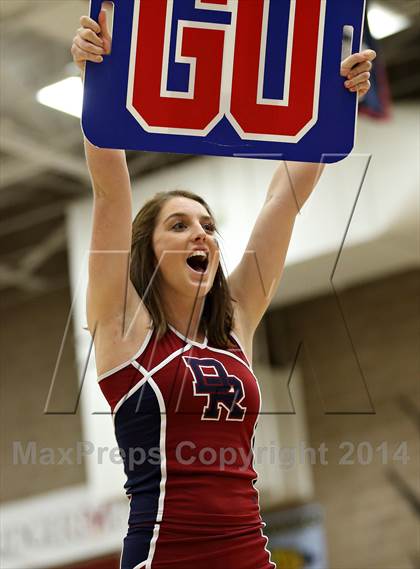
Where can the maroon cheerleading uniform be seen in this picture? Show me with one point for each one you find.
(184, 416)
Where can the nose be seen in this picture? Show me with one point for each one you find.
(199, 233)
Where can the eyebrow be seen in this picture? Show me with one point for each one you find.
(181, 214)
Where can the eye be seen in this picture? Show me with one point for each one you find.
(179, 225)
(209, 227)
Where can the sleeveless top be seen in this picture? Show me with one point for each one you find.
(185, 415)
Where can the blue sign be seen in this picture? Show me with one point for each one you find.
(252, 78)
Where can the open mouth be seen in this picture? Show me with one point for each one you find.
(198, 261)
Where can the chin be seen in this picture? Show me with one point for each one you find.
(200, 289)
(200, 284)
(189, 283)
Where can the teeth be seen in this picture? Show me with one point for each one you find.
(198, 254)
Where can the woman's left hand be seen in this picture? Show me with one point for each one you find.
(356, 68)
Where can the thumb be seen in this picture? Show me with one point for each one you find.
(106, 36)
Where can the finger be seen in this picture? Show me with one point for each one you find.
(360, 68)
(104, 24)
(370, 54)
(106, 36)
(87, 46)
(91, 36)
(361, 78)
(365, 86)
(352, 60)
(359, 57)
(87, 22)
(79, 55)
(361, 88)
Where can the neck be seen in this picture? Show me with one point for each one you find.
(184, 314)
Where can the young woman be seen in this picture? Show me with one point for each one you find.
(173, 344)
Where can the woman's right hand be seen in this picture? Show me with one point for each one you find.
(91, 42)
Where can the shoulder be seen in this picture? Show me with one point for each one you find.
(117, 338)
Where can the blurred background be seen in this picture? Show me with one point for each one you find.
(337, 353)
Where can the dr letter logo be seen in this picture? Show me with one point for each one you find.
(256, 78)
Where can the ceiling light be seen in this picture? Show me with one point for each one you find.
(384, 22)
(65, 96)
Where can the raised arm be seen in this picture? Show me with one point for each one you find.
(255, 280)
(112, 206)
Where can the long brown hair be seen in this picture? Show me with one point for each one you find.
(217, 315)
